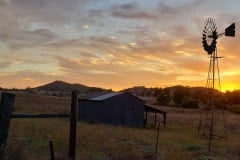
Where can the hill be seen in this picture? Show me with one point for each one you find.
(61, 86)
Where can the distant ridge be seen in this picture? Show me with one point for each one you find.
(62, 86)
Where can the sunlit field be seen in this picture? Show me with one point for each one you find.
(28, 138)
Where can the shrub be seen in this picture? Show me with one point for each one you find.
(193, 147)
(189, 102)
(148, 152)
(163, 99)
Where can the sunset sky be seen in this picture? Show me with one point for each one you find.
(114, 44)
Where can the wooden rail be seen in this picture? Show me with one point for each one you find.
(46, 115)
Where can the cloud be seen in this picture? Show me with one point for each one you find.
(43, 34)
(95, 13)
(193, 64)
(133, 14)
(131, 11)
(15, 59)
(115, 74)
(4, 64)
(23, 79)
(104, 40)
(26, 39)
(20, 18)
(172, 12)
(29, 4)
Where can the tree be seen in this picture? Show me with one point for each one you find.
(189, 102)
(157, 91)
(163, 97)
(29, 90)
(233, 97)
(179, 93)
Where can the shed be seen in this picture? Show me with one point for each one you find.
(117, 108)
(154, 109)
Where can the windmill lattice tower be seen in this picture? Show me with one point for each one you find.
(212, 122)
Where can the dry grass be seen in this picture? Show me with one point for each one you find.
(31, 103)
(103, 142)
(234, 108)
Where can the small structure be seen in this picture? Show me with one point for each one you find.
(118, 108)
(153, 109)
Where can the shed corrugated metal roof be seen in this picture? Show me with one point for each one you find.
(105, 96)
(153, 108)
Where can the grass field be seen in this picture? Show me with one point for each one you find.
(28, 138)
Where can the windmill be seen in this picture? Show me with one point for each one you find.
(212, 120)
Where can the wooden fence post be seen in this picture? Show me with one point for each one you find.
(51, 150)
(164, 119)
(145, 119)
(155, 118)
(6, 106)
(73, 127)
(156, 148)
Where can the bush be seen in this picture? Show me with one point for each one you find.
(148, 152)
(189, 102)
(163, 99)
(193, 147)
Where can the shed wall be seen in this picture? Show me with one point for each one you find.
(122, 109)
(125, 110)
